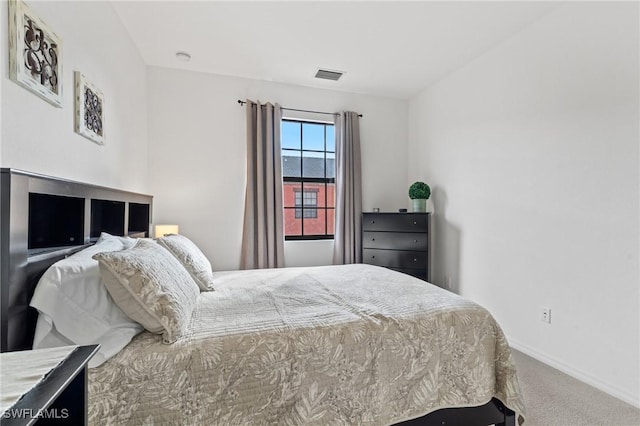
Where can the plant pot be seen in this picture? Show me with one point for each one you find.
(419, 205)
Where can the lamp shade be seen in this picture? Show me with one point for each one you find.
(162, 230)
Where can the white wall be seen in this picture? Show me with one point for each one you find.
(38, 137)
(532, 150)
(197, 155)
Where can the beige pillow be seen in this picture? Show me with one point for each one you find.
(191, 258)
(151, 287)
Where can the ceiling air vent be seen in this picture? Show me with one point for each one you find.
(329, 75)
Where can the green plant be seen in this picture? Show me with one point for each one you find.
(419, 190)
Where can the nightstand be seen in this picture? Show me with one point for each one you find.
(60, 397)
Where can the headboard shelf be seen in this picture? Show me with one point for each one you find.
(36, 255)
(42, 220)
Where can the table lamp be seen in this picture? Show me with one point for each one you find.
(163, 230)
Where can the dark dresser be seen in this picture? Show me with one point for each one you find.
(398, 241)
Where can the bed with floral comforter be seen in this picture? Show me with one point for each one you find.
(334, 345)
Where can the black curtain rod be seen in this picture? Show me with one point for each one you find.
(300, 110)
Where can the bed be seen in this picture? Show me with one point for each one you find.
(351, 344)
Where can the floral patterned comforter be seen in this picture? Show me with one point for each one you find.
(333, 345)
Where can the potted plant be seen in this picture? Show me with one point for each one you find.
(419, 192)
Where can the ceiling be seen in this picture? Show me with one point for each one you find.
(392, 49)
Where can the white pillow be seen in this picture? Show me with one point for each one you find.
(127, 242)
(151, 286)
(193, 260)
(76, 308)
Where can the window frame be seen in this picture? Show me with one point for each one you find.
(305, 180)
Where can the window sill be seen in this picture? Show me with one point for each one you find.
(308, 237)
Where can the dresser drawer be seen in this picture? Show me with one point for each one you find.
(409, 222)
(395, 240)
(395, 259)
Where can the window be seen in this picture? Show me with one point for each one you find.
(308, 171)
(307, 198)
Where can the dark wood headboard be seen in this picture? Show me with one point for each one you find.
(29, 203)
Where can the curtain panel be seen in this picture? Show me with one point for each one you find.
(263, 235)
(347, 247)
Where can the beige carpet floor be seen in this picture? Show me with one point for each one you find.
(556, 399)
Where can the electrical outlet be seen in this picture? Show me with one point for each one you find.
(545, 315)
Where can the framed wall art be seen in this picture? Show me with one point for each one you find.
(89, 106)
(35, 54)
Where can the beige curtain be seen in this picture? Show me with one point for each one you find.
(347, 242)
(263, 236)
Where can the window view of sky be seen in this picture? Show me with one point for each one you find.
(312, 137)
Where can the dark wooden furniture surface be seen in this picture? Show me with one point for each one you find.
(493, 412)
(21, 269)
(60, 398)
(398, 241)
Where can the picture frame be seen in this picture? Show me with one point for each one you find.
(35, 54)
(89, 109)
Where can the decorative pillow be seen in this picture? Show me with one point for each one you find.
(75, 308)
(150, 286)
(191, 258)
(128, 242)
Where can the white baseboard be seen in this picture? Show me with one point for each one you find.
(612, 390)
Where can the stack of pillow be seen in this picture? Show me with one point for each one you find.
(111, 291)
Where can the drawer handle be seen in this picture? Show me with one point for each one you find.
(415, 260)
(373, 257)
(373, 221)
(415, 241)
(373, 239)
(415, 223)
